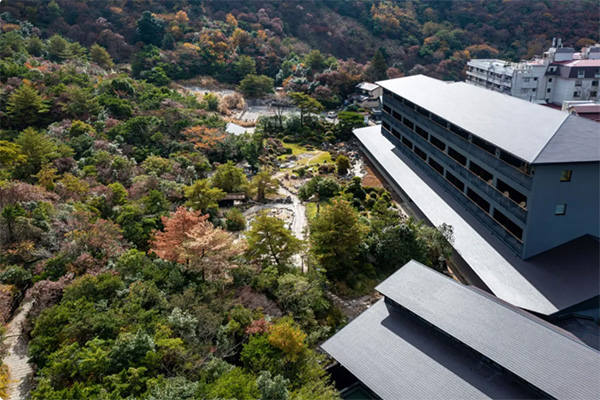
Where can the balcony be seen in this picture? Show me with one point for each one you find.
(485, 218)
(468, 176)
(521, 180)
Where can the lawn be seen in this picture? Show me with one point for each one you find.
(311, 208)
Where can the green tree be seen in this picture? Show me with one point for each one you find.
(439, 244)
(9, 214)
(58, 48)
(10, 155)
(306, 104)
(264, 184)
(272, 387)
(100, 56)
(347, 121)
(168, 42)
(137, 227)
(244, 66)
(35, 46)
(343, 165)
(201, 196)
(377, 69)
(25, 106)
(396, 245)
(234, 384)
(256, 86)
(336, 235)
(11, 43)
(315, 61)
(150, 29)
(270, 242)
(235, 220)
(230, 178)
(81, 103)
(37, 148)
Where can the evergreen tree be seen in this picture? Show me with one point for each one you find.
(35, 46)
(270, 242)
(377, 68)
(58, 48)
(101, 56)
(168, 42)
(25, 106)
(150, 29)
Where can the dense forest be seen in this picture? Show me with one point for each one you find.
(115, 180)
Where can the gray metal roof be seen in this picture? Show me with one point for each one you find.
(577, 140)
(235, 129)
(547, 283)
(399, 357)
(367, 86)
(555, 363)
(517, 126)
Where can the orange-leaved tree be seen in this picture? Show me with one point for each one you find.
(204, 138)
(288, 338)
(190, 239)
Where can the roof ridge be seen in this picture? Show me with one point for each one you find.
(497, 301)
(551, 137)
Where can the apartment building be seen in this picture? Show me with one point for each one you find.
(509, 175)
(561, 74)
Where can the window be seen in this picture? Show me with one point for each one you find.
(421, 153)
(561, 209)
(455, 181)
(581, 73)
(593, 94)
(548, 90)
(409, 124)
(549, 79)
(437, 143)
(535, 79)
(594, 83)
(387, 109)
(575, 94)
(526, 79)
(407, 142)
(457, 156)
(565, 175)
(578, 83)
(422, 132)
(435, 165)
(533, 90)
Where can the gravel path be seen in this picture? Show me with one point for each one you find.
(21, 373)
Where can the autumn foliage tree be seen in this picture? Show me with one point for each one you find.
(204, 138)
(190, 239)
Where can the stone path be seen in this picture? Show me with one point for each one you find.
(21, 373)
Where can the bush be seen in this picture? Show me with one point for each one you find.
(235, 221)
(15, 275)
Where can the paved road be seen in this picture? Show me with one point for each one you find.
(21, 373)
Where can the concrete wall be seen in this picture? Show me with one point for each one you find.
(546, 230)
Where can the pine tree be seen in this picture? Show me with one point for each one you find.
(25, 106)
(150, 29)
(101, 56)
(58, 48)
(378, 68)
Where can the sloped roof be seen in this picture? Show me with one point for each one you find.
(235, 129)
(367, 86)
(555, 363)
(517, 126)
(578, 139)
(398, 351)
(399, 357)
(546, 284)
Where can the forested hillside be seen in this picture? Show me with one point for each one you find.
(166, 257)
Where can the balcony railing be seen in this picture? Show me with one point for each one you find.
(484, 186)
(520, 179)
(484, 217)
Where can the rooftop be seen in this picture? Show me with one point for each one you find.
(235, 129)
(579, 63)
(400, 356)
(546, 284)
(495, 65)
(367, 86)
(517, 126)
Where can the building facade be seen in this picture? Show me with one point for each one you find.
(560, 75)
(529, 173)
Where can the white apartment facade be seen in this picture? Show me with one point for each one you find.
(560, 75)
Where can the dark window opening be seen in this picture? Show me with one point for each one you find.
(459, 131)
(385, 125)
(387, 109)
(477, 199)
(439, 121)
(482, 144)
(510, 159)
(437, 143)
(408, 123)
(423, 111)
(409, 104)
(508, 224)
(420, 153)
(455, 181)
(480, 172)
(387, 92)
(396, 133)
(457, 156)
(407, 142)
(397, 98)
(422, 132)
(436, 166)
(512, 193)
(397, 115)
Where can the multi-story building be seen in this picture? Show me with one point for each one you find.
(491, 164)
(560, 75)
